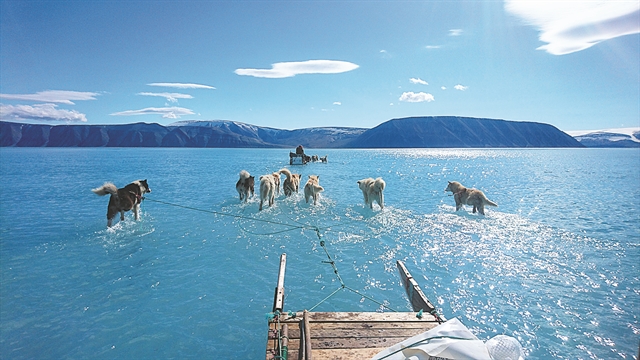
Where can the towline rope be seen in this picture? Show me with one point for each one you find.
(301, 226)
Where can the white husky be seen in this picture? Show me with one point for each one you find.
(312, 188)
(267, 189)
(372, 191)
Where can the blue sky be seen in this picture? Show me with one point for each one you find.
(297, 64)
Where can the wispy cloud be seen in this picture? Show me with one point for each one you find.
(171, 97)
(383, 51)
(53, 96)
(461, 87)
(418, 81)
(289, 69)
(443, 87)
(416, 97)
(570, 26)
(433, 46)
(41, 112)
(455, 32)
(337, 103)
(166, 112)
(182, 86)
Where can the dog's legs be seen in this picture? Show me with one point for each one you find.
(381, 203)
(109, 222)
(260, 208)
(136, 211)
(480, 209)
(474, 209)
(121, 215)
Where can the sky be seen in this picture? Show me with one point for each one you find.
(297, 64)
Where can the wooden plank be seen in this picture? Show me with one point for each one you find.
(374, 325)
(364, 333)
(417, 298)
(354, 343)
(345, 354)
(307, 336)
(278, 296)
(368, 317)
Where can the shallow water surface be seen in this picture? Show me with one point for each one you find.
(555, 265)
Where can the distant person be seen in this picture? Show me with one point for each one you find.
(299, 150)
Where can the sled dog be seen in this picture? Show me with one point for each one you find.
(291, 184)
(267, 189)
(245, 185)
(312, 188)
(466, 196)
(372, 190)
(125, 199)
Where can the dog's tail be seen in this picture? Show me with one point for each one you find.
(286, 173)
(107, 188)
(378, 185)
(488, 202)
(244, 174)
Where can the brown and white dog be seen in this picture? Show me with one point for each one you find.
(312, 188)
(267, 189)
(125, 199)
(292, 183)
(245, 185)
(466, 196)
(372, 190)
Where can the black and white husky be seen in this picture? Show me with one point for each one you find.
(125, 199)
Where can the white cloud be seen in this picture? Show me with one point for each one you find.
(418, 81)
(570, 26)
(455, 32)
(383, 51)
(433, 46)
(461, 87)
(166, 112)
(171, 97)
(289, 69)
(41, 112)
(443, 87)
(53, 96)
(337, 103)
(182, 86)
(416, 97)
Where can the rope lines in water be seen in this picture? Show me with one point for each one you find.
(300, 226)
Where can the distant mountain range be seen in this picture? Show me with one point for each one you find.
(621, 138)
(414, 132)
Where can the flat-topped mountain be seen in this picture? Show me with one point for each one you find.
(415, 132)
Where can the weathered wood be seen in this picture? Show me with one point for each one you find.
(346, 354)
(278, 296)
(307, 336)
(417, 298)
(368, 317)
(346, 332)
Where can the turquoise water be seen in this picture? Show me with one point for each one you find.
(555, 265)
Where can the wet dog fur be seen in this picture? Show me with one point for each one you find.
(267, 189)
(292, 182)
(467, 196)
(372, 190)
(312, 188)
(124, 199)
(276, 182)
(245, 185)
